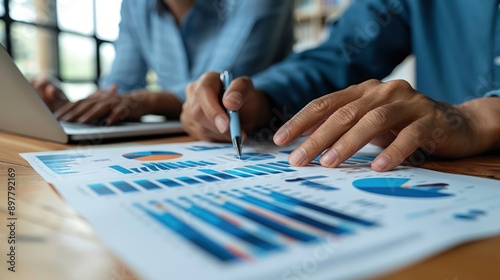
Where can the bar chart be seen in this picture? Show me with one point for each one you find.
(203, 173)
(249, 223)
(161, 166)
(62, 164)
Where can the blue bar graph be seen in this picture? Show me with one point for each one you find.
(294, 202)
(275, 166)
(62, 164)
(169, 183)
(237, 173)
(270, 171)
(226, 225)
(194, 236)
(101, 189)
(260, 219)
(151, 166)
(251, 171)
(148, 185)
(207, 162)
(217, 174)
(188, 180)
(206, 178)
(161, 166)
(253, 222)
(286, 212)
(124, 186)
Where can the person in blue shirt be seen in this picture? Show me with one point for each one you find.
(452, 113)
(179, 41)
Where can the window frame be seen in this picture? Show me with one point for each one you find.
(9, 22)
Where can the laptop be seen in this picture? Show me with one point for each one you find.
(22, 111)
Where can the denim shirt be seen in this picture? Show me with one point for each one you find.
(244, 36)
(456, 44)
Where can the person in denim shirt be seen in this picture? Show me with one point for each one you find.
(452, 113)
(179, 41)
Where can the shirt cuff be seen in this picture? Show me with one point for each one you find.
(493, 93)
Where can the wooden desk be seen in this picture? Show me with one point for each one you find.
(53, 242)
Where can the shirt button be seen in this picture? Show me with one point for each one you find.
(496, 60)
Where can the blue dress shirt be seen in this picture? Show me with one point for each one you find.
(456, 44)
(245, 36)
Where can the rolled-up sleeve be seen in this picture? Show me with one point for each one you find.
(493, 93)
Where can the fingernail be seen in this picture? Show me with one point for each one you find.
(281, 136)
(329, 158)
(221, 124)
(381, 162)
(235, 97)
(298, 157)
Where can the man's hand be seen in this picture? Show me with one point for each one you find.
(51, 94)
(394, 114)
(115, 108)
(205, 118)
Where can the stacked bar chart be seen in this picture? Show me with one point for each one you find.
(249, 223)
(204, 176)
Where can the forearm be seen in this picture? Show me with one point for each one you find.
(164, 103)
(484, 118)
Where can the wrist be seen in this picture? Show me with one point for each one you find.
(165, 104)
(483, 117)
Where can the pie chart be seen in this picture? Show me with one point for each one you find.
(399, 187)
(255, 156)
(152, 155)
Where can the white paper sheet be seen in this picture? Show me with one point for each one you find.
(194, 211)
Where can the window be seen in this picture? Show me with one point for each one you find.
(2, 24)
(2, 33)
(2, 10)
(72, 40)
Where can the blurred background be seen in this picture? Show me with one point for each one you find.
(72, 39)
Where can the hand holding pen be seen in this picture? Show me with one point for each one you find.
(234, 119)
(205, 118)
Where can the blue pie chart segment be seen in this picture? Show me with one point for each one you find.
(398, 187)
(255, 156)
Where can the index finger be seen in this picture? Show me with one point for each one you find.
(206, 93)
(314, 114)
